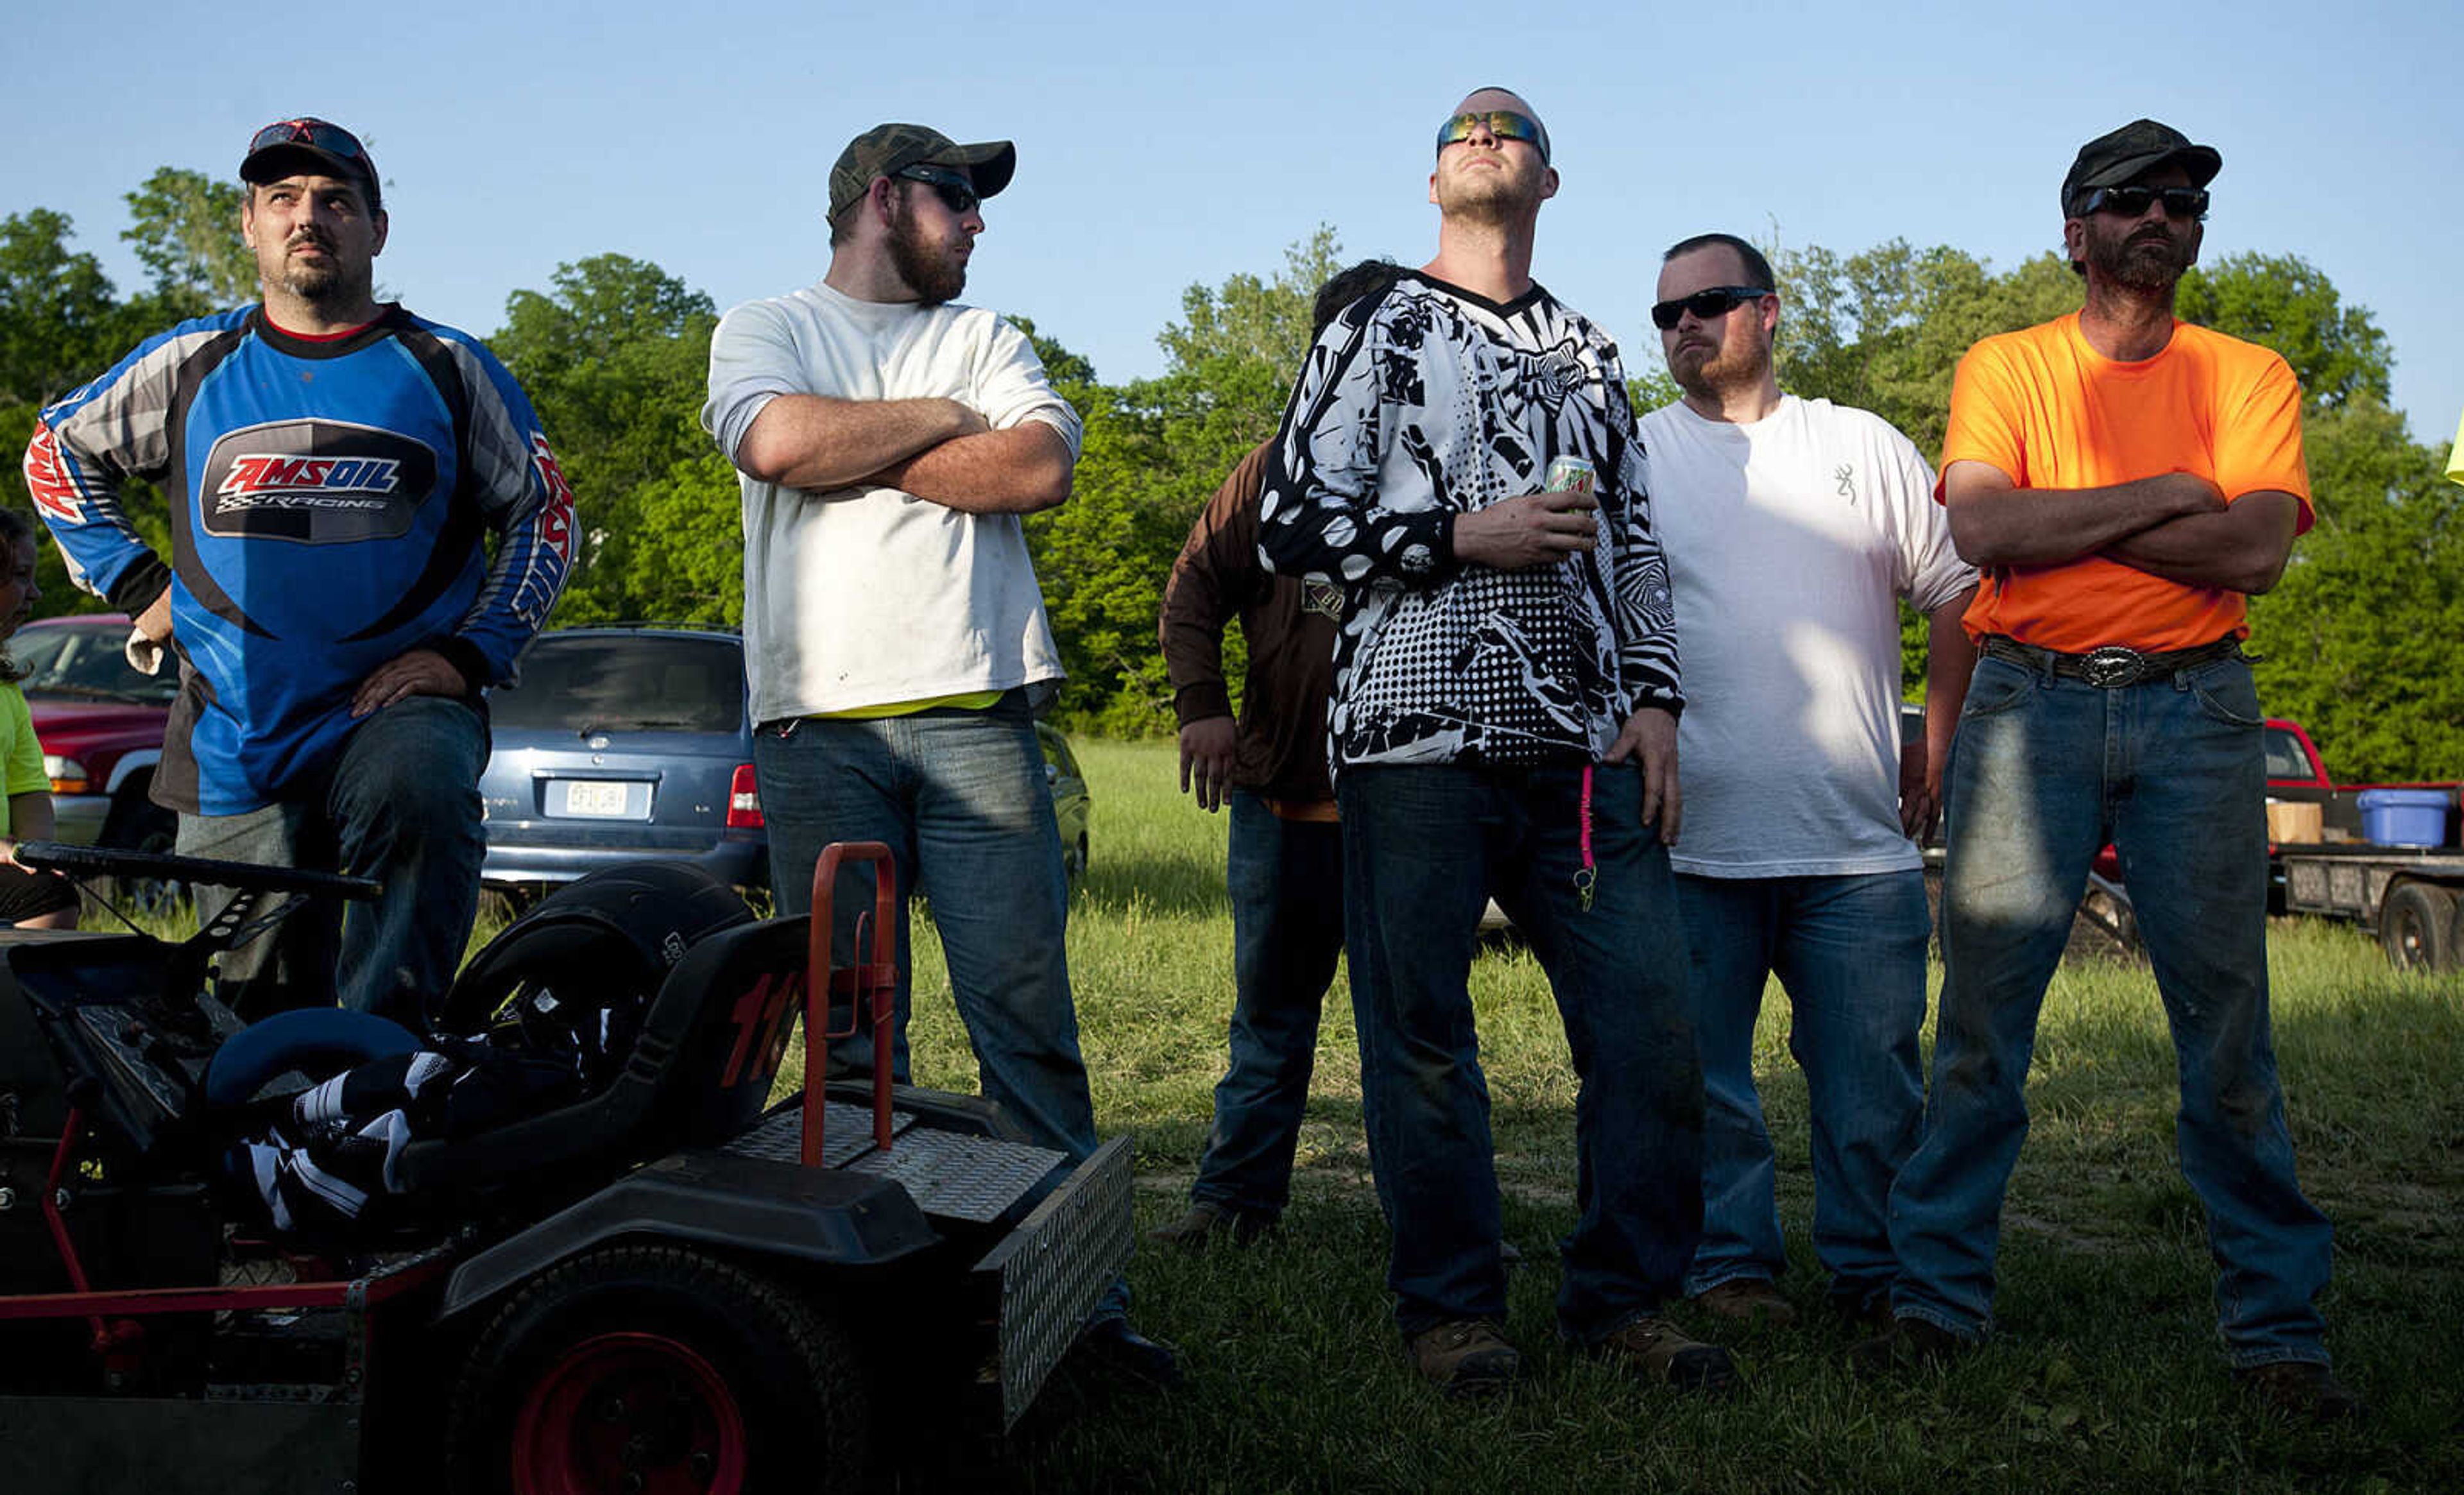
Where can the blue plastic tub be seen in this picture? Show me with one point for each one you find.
(2405, 817)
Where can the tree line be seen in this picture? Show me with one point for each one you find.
(2355, 642)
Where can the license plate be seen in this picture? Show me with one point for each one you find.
(594, 797)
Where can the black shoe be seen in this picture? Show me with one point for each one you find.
(1208, 1222)
(1110, 1349)
(2300, 1389)
(1908, 1343)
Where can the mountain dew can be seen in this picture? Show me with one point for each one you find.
(1570, 474)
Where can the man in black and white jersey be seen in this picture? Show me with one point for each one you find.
(1503, 724)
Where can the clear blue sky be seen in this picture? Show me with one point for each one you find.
(1162, 145)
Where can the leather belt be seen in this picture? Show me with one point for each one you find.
(2111, 667)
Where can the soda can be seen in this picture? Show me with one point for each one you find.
(1570, 474)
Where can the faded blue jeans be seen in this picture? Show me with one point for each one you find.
(399, 802)
(959, 798)
(2042, 772)
(1287, 883)
(1423, 849)
(1850, 950)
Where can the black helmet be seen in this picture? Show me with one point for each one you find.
(575, 976)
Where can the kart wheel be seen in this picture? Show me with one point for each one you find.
(657, 1368)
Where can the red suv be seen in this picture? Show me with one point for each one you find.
(101, 724)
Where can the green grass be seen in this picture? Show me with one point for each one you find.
(2105, 1375)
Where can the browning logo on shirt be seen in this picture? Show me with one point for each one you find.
(316, 482)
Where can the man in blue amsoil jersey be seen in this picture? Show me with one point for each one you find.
(331, 466)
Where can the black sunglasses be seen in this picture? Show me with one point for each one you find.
(310, 132)
(2180, 202)
(1706, 305)
(955, 191)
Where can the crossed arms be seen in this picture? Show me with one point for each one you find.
(2177, 526)
(934, 449)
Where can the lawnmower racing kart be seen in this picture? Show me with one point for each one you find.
(639, 1275)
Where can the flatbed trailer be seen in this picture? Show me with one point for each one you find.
(2412, 898)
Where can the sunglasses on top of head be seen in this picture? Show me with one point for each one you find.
(310, 132)
(1706, 305)
(2180, 202)
(956, 193)
(1502, 125)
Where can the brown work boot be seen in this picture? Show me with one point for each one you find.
(1654, 1350)
(1908, 1343)
(1747, 1300)
(2300, 1389)
(1209, 1221)
(1468, 1357)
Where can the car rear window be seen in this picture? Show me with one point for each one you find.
(618, 683)
(87, 662)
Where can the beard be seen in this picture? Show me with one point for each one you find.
(928, 267)
(1487, 198)
(1711, 373)
(2150, 260)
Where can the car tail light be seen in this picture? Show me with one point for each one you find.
(67, 775)
(743, 801)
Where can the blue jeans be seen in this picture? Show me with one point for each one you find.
(399, 802)
(960, 799)
(1287, 883)
(1850, 951)
(2043, 771)
(1423, 849)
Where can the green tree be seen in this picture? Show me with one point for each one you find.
(1884, 329)
(60, 324)
(1156, 450)
(2355, 641)
(60, 320)
(616, 361)
(183, 227)
(2284, 303)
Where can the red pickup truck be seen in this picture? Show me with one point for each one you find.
(100, 724)
(2411, 896)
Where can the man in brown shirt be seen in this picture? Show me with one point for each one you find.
(1286, 863)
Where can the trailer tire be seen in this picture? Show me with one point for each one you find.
(2417, 927)
(664, 1363)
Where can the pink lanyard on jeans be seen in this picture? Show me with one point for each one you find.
(1588, 875)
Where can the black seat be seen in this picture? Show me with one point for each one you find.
(699, 1072)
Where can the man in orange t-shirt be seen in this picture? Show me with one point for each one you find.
(2125, 481)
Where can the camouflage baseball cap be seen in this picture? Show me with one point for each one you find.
(887, 149)
(2129, 153)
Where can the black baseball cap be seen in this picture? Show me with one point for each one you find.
(2129, 153)
(887, 149)
(289, 146)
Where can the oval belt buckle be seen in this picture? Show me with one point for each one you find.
(2111, 666)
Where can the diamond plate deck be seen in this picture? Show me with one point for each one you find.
(847, 1134)
(960, 1178)
(1055, 1266)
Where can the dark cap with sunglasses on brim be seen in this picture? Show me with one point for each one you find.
(287, 147)
(887, 149)
(2131, 152)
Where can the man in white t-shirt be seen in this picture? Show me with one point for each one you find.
(1794, 528)
(888, 441)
